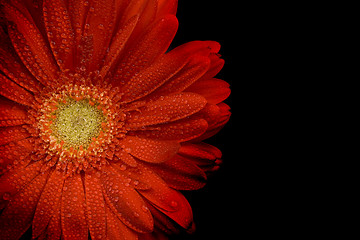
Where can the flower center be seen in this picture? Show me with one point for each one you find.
(77, 123)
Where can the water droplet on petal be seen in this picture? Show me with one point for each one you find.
(145, 208)
(6, 196)
(174, 204)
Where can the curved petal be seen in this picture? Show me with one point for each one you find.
(180, 173)
(145, 82)
(60, 32)
(146, 50)
(205, 156)
(11, 113)
(163, 223)
(181, 130)
(53, 229)
(77, 12)
(200, 150)
(214, 90)
(117, 45)
(99, 27)
(167, 200)
(124, 201)
(15, 179)
(49, 203)
(12, 67)
(150, 150)
(216, 64)
(116, 229)
(192, 71)
(14, 92)
(191, 60)
(73, 220)
(166, 7)
(12, 134)
(30, 46)
(166, 109)
(95, 206)
(14, 153)
(146, 10)
(17, 216)
(223, 118)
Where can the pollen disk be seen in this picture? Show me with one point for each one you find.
(76, 123)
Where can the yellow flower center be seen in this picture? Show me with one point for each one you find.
(77, 123)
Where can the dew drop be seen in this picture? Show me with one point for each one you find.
(145, 208)
(174, 204)
(6, 196)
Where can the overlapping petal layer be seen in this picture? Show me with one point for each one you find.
(104, 66)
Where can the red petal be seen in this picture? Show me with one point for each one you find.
(14, 180)
(167, 200)
(211, 113)
(166, 7)
(203, 48)
(59, 31)
(191, 72)
(78, 11)
(95, 206)
(17, 216)
(126, 157)
(155, 235)
(11, 134)
(124, 201)
(53, 230)
(223, 118)
(49, 203)
(157, 74)
(116, 230)
(180, 173)
(163, 222)
(73, 221)
(167, 109)
(150, 150)
(181, 130)
(146, 50)
(146, 9)
(11, 113)
(14, 92)
(215, 66)
(200, 150)
(133, 8)
(32, 10)
(11, 66)
(214, 90)
(14, 152)
(30, 45)
(117, 45)
(99, 26)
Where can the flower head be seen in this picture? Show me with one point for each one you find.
(100, 126)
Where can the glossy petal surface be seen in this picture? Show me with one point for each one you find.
(101, 124)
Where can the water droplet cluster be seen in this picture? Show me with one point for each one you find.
(77, 123)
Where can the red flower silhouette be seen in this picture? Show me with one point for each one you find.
(100, 126)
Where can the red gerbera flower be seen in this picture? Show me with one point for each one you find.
(100, 127)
